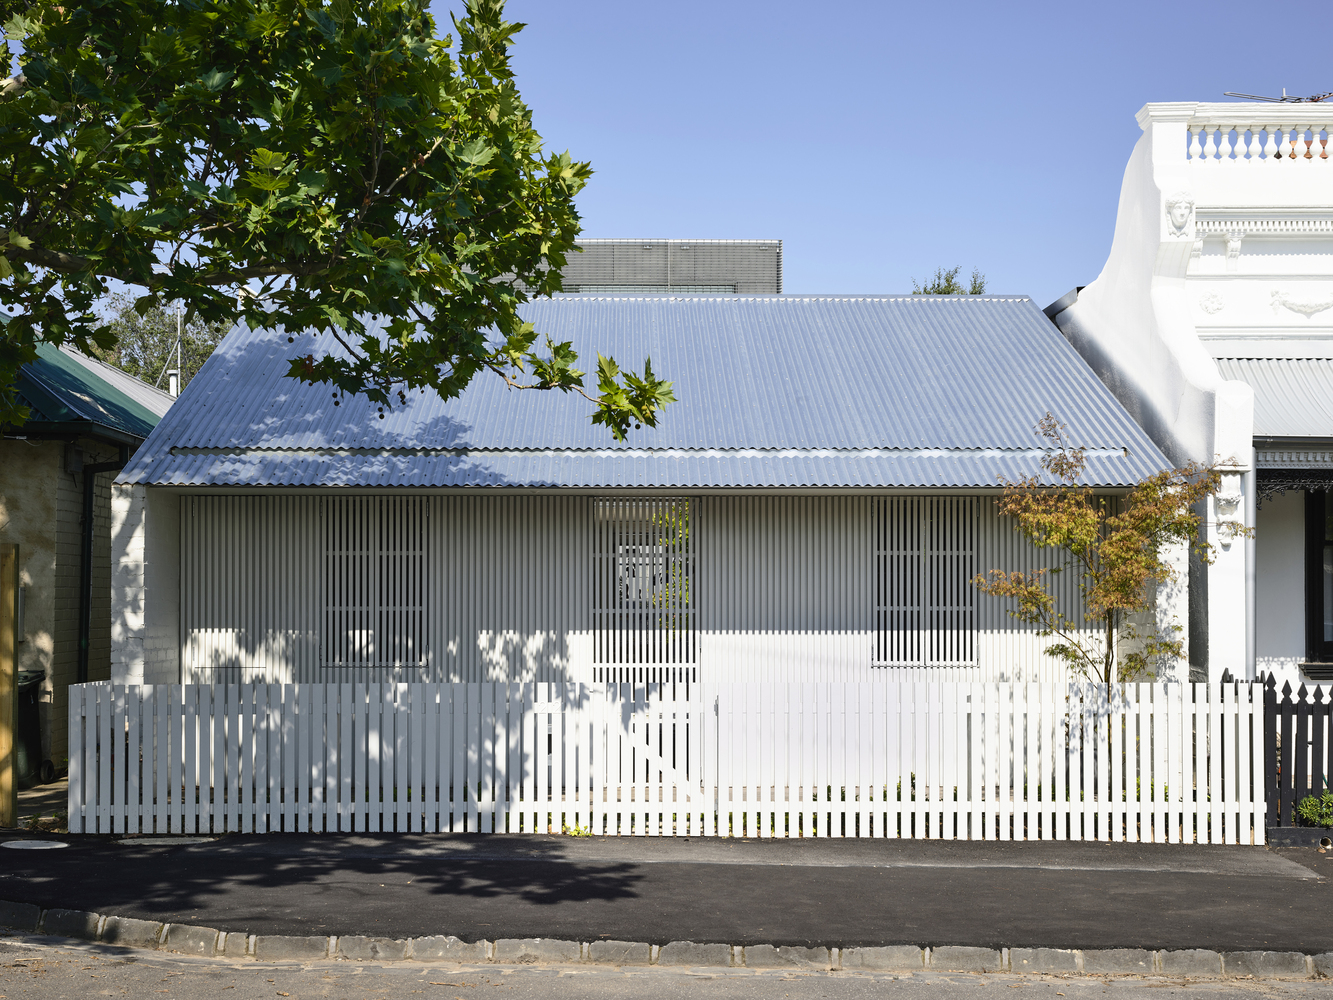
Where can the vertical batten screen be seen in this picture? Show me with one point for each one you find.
(925, 603)
(250, 588)
(643, 592)
(375, 581)
(289, 589)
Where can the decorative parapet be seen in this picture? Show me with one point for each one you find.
(1249, 133)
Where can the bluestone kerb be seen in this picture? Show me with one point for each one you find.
(237, 945)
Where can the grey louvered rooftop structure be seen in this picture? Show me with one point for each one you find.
(687, 267)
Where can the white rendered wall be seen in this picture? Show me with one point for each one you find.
(784, 588)
(1280, 586)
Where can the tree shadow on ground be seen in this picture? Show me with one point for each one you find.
(172, 881)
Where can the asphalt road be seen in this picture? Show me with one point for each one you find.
(44, 973)
(844, 893)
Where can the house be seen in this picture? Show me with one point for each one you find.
(1212, 322)
(87, 419)
(814, 507)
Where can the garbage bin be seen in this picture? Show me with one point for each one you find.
(28, 728)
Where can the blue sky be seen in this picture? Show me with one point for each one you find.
(881, 140)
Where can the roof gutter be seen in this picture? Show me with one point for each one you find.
(90, 473)
(64, 430)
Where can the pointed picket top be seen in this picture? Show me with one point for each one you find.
(1286, 691)
(1301, 693)
(1270, 682)
(1318, 695)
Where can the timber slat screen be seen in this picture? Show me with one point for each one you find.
(405, 588)
(1162, 762)
(1298, 759)
(643, 589)
(925, 604)
(375, 581)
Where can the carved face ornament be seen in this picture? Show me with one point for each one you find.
(1178, 210)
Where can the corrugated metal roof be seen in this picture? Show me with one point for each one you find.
(1293, 397)
(774, 391)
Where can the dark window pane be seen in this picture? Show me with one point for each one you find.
(1328, 567)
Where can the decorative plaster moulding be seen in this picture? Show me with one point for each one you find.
(1293, 458)
(1214, 221)
(1237, 114)
(1166, 111)
(1307, 304)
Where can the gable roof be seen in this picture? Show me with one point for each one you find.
(156, 401)
(81, 395)
(774, 391)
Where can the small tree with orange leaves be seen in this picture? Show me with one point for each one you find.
(1116, 546)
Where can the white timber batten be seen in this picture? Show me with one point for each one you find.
(402, 587)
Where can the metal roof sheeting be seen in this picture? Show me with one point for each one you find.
(1293, 397)
(777, 391)
(149, 397)
(67, 388)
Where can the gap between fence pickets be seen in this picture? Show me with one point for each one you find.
(1159, 762)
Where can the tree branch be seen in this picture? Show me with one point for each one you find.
(68, 263)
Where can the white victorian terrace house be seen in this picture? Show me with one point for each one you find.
(1212, 322)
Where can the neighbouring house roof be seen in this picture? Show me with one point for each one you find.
(156, 401)
(1293, 397)
(774, 392)
(68, 392)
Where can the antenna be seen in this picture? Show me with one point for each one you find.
(173, 385)
(1284, 99)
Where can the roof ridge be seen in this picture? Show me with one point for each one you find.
(783, 297)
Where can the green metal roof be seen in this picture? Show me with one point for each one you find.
(59, 390)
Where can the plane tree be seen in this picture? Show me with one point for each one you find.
(333, 166)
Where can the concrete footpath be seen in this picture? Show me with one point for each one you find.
(1072, 907)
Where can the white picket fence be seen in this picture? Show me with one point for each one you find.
(1165, 763)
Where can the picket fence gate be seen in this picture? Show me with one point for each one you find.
(1164, 763)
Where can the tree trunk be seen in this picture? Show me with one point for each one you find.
(1108, 661)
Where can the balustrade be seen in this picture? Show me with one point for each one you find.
(1212, 142)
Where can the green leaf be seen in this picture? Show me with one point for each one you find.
(5, 269)
(312, 181)
(18, 27)
(476, 153)
(215, 79)
(326, 24)
(94, 138)
(267, 159)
